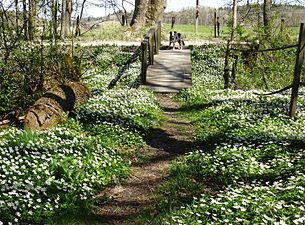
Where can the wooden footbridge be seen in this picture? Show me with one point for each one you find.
(164, 70)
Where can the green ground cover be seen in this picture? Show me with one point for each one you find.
(204, 32)
(249, 163)
(52, 177)
(111, 30)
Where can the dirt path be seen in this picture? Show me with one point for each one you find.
(129, 199)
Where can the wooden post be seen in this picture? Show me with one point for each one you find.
(218, 27)
(151, 50)
(226, 69)
(215, 24)
(154, 42)
(282, 24)
(144, 47)
(234, 69)
(297, 71)
(159, 36)
(157, 41)
(173, 22)
(197, 16)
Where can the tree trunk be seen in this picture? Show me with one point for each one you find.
(155, 11)
(234, 18)
(17, 15)
(66, 18)
(147, 12)
(266, 13)
(25, 20)
(138, 19)
(54, 19)
(32, 19)
(79, 19)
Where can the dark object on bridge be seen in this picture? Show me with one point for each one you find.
(50, 109)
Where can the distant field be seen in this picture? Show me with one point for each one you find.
(204, 32)
(111, 30)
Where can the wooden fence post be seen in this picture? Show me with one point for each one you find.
(144, 47)
(218, 27)
(155, 41)
(297, 71)
(234, 70)
(215, 24)
(158, 36)
(151, 50)
(226, 73)
(282, 24)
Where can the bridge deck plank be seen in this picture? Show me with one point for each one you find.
(171, 71)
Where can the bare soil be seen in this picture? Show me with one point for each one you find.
(129, 199)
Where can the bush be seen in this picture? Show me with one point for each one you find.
(32, 69)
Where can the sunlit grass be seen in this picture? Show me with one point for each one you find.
(248, 166)
(53, 176)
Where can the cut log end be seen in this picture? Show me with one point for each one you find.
(50, 109)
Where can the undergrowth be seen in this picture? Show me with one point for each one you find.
(55, 176)
(248, 166)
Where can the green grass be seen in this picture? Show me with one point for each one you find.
(248, 166)
(51, 177)
(204, 32)
(110, 31)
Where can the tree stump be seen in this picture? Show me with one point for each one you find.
(50, 109)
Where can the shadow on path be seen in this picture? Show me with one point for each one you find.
(171, 139)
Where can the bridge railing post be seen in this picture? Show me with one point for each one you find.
(144, 47)
(158, 36)
(149, 47)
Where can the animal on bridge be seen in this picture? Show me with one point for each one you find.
(176, 38)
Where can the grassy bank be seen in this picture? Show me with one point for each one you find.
(53, 177)
(248, 166)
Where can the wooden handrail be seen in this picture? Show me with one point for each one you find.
(150, 47)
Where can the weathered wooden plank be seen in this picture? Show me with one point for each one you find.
(171, 71)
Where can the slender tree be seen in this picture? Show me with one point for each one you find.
(32, 18)
(25, 19)
(16, 14)
(66, 18)
(267, 14)
(234, 18)
(54, 22)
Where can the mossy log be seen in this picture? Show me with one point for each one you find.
(51, 109)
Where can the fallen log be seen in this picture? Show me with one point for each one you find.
(50, 109)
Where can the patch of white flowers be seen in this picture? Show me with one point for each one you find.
(251, 151)
(44, 172)
(127, 107)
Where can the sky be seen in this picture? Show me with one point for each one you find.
(172, 5)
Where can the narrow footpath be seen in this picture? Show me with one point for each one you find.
(172, 138)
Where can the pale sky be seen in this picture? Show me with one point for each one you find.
(172, 5)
